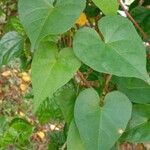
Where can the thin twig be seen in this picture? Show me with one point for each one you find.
(145, 36)
(83, 79)
(106, 88)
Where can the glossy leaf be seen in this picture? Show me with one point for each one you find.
(100, 128)
(11, 46)
(44, 17)
(51, 70)
(137, 90)
(109, 7)
(116, 54)
(74, 141)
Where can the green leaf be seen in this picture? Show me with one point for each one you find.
(109, 7)
(65, 98)
(3, 125)
(142, 16)
(74, 141)
(51, 70)
(42, 17)
(57, 139)
(87, 118)
(49, 111)
(91, 10)
(143, 110)
(116, 54)
(139, 134)
(13, 24)
(18, 132)
(140, 115)
(137, 90)
(136, 3)
(11, 46)
(100, 128)
(60, 106)
(115, 116)
(137, 130)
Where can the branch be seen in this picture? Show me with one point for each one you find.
(83, 79)
(145, 36)
(107, 81)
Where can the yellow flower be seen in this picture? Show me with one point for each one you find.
(82, 20)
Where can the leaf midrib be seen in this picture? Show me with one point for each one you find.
(111, 47)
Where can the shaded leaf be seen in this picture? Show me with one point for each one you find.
(139, 134)
(57, 140)
(138, 128)
(60, 106)
(137, 90)
(142, 17)
(11, 46)
(65, 98)
(49, 111)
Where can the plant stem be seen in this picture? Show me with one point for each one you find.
(106, 88)
(83, 79)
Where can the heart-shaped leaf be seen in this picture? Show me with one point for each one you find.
(122, 53)
(51, 70)
(109, 7)
(74, 141)
(43, 17)
(100, 128)
(11, 46)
